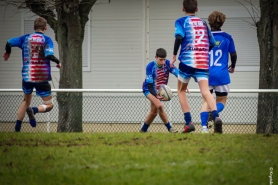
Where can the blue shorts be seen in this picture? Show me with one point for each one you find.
(43, 89)
(186, 72)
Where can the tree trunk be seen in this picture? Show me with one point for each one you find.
(70, 34)
(267, 34)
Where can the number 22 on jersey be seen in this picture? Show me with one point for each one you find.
(215, 56)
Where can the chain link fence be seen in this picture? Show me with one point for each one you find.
(125, 112)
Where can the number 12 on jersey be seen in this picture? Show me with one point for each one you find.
(215, 57)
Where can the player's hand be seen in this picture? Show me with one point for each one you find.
(187, 90)
(59, 65)
(161, 98)
(6, 56)
(174, 58)
(231, 70)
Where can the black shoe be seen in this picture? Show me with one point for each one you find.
(31, 116)
(218, 125)
(210, 121)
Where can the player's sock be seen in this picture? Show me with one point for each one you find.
(204, 118)
(214, 114)
(187, 118)
(168, 126)
(220, 106)
(35, 110)
(18, 125)
(145, 127)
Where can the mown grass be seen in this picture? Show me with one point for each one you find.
(136, 158)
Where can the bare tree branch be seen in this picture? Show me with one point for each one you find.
(84, 10)
(40, 8)
(251, 15)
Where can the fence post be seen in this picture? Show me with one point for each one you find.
(48, 122)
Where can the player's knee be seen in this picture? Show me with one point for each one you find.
(26, 101)
(154, 113)
(160, 107)
(206, 94)
(48, 105)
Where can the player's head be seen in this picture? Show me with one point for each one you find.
(216, 20)
(160, 56)
(190, 6)
(40, 24)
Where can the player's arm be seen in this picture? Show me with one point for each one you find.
(149, 79)
(49, 52)
(6, 55)
(53, 59)
(233, 55)
(13, 42)
(177, 44)
(172, 69)
(151, 89)
(179, 34)
(212, 42)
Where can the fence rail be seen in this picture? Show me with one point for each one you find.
(124, 110)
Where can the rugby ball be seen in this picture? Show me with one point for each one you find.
(166, 92)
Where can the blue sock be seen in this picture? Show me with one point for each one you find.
(187, 118)
(35, 110)
(204, 118)
(145, 127)
(169, 126)
(214, 114)
(220, 106)
(18, 125)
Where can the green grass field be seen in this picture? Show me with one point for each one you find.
(136, 158)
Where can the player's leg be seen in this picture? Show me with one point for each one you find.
(44, 91)
(204, 115)
(22, 110)
(156, 108)
(184, 76)
(27, 89)
(204, 88)
(221, 96)
(188, 127)
(150, 117)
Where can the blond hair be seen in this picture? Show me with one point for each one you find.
(40, 23)
(216, 20)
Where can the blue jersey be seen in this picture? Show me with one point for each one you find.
(219, 59)
(35, 47)
(158, 75)
(197, 38)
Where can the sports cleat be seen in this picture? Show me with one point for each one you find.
(173, 130)
(205, 131)
(31, 116)
(218, 125)
(210, 121)
(188, 128)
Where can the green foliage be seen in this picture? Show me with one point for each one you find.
(137, 158)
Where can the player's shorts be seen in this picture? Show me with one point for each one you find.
(186, 72)
(43, 89)
(221, 90)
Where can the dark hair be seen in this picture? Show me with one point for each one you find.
(39, 23)
(190, 6)
(216, 20)
(160, 52)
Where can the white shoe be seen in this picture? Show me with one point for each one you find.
(205, 131)
(173, 130)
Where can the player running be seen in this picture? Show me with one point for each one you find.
(219, 70)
